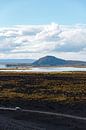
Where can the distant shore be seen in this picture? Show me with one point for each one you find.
(44, 69)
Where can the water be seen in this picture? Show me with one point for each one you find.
(57, 69)
(43, 69)
(2, 66)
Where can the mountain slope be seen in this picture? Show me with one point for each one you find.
(53, 61)
(49, 61)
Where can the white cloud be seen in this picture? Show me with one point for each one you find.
(38, 40)
(49, 33)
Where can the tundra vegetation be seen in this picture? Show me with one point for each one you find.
(62, 87)
(63, 92)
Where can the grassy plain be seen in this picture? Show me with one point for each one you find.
(37, 89)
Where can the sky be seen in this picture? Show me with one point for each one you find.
(36, 28)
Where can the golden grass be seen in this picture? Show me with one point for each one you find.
(61, 86)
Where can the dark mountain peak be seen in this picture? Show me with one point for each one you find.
(49, 61)
(48, 57)
(51, 57)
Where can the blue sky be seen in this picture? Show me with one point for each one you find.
(36, 28)
(14, 12)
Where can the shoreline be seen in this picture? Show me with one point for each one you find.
(44, 69)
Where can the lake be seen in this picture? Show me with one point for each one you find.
(42, 69)
(2, 66)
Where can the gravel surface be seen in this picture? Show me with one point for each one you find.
(17, 120)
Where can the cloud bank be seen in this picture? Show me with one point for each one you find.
(34, 41)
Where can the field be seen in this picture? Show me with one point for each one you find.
(47, 91)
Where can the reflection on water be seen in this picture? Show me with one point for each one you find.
(44, 69)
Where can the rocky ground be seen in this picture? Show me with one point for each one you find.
(18, 120)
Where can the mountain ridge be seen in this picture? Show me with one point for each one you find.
(54, 61)
(16, 61)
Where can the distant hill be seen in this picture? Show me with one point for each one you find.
(44, 61)
(49, 61)
(53, 61)
(16, 61)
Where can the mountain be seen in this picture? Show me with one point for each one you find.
(53, 61)
(16, 61)
(49, 61)
(44, 61)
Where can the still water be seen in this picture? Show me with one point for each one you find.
(57, 69)
(42, 69)
(2, 66)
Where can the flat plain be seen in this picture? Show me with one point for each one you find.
(37, 88)
(62, 92)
